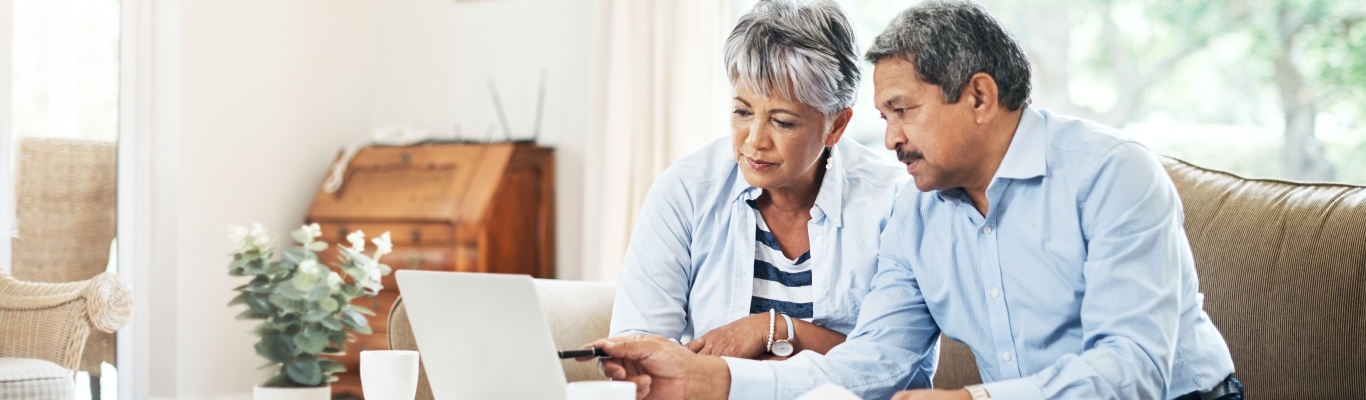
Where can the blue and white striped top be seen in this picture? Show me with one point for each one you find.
(780, 284)
(690, 265)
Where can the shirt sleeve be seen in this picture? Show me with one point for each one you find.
(1131, 219)
(892, 347)
(652, 292)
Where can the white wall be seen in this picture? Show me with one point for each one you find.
(271, 88)
(433, 65)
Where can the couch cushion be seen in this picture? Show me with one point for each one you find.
(1283, 269)
(34, 379)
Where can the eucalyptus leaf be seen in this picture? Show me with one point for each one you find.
(236, 266)
(284, 302)
(241, 298)
(301, 236)
(310, 342)
(317, 246)
(281, 379)
(304, 370)
(252, 314)
(278, 348)
(297, 254)
(331, 322)
(315, 314)
(303, 284)
(258, 301)
(356, 322)
(318, 291)
(329, 366)
(329, 304)
(337, 337)
(252, 267)
(260, 285)
(352, 291)
(290, 292)
(360, 309)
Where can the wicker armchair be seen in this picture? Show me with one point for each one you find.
(65, 206)
(45, 325)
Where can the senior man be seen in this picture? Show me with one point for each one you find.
(1051, 246)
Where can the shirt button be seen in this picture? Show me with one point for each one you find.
(986, 230)
(995, 293)
(1005, 356)
(820, 239)
(821, 292)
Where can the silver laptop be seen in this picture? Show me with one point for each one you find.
(482, 336)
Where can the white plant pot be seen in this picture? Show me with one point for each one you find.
(307, 393)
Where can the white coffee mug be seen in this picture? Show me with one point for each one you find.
(388, 374)
(599, 390)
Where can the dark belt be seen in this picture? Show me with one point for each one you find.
(1225, 390)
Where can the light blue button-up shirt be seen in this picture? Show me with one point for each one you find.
(690, 265)
(1077, 284)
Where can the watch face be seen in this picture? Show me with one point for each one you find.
(782, 348)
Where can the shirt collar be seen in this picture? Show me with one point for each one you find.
(829, 198)
(1026, 157)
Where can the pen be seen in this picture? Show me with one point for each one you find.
(593, 352)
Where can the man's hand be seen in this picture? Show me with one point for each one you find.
(662, 369)
(933, 394)
(743, 338)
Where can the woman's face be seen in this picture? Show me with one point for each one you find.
(778, 143)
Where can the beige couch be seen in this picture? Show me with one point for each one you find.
(1282, 266)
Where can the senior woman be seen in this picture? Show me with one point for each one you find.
(777, 226)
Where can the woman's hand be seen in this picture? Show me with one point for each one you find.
(743, 338)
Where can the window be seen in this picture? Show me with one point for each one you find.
(61, 144)
(1207, 81)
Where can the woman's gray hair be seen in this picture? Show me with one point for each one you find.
(801, 50)
(949, 41)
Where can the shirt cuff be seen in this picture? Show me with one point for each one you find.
(1013, 389)
(751, 379)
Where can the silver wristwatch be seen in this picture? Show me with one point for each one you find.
(783, 348)
(978, 392)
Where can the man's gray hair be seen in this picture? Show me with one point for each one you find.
(949, 41)
(800, 50)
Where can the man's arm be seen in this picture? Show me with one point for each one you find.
(890, 348)
(652, 292)
(663, 369)
(1130, 311)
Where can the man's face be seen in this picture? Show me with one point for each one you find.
(938, 142)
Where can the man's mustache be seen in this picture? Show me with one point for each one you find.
(908, 157)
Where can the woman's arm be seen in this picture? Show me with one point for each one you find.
(810, 336)
(748, 338)
(652, 292)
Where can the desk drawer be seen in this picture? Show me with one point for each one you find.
(399, 233)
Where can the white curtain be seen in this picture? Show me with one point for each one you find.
(659, 92)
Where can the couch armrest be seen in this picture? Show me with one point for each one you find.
(51, 321)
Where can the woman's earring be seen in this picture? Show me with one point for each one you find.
(828, 156)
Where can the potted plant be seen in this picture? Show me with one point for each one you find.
(304, 306)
